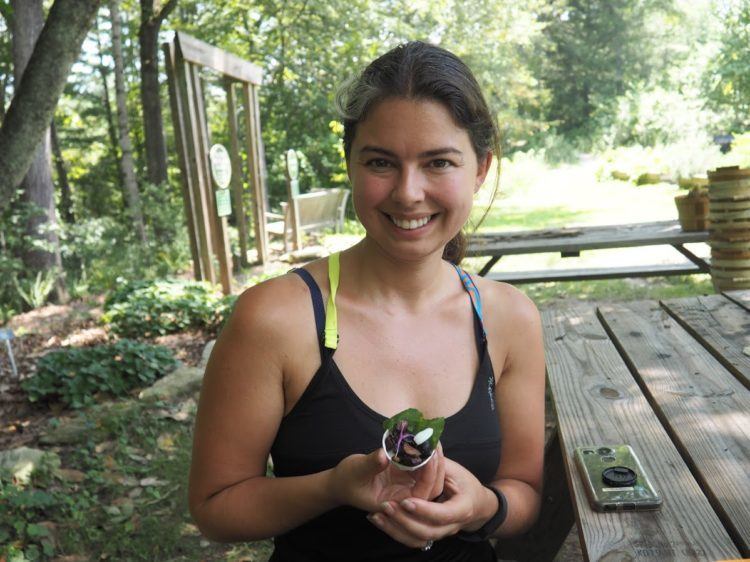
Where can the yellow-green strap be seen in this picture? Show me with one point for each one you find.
(332, 326)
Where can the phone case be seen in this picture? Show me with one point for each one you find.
(634, 493)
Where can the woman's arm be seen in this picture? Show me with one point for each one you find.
(519, 395)
(241, 407)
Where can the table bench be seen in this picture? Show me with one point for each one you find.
(570, 242)
(316, 210)
(671, 379)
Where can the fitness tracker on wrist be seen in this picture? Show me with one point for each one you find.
(486, 530)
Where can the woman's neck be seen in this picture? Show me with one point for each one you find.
(382, 279)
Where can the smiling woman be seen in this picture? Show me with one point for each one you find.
(311, 365)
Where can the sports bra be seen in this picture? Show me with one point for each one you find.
(330, 422)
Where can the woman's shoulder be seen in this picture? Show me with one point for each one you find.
(505, 304)
(274, 305)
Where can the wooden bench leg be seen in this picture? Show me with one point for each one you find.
(556, 518)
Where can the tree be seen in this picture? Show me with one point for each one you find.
(597, 51)
(153, 129)
(728, 77)
(38, 191)
(33, 104)
(127, 164)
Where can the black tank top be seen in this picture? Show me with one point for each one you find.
(330, 422)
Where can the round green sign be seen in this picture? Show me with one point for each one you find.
(221, 165)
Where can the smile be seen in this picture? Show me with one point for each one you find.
(410, 224)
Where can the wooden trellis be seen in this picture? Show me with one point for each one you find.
(184, 57)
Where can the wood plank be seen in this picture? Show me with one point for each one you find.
(721, 326)
(234, 153)
(197, 182)
(598, 402)
(252, 137)
(742, 298)
(177, 105)
(581, 238)
(218, 224)
(594, 273)
(704, 408)
(201, 53)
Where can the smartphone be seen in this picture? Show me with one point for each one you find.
(615, 479)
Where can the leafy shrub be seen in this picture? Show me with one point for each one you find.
(21, 535)
(147, 309)
(75, 375)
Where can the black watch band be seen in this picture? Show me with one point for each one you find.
(486, 530)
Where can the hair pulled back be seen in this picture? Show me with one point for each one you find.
(421, 71)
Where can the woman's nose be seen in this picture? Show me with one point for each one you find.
(408, 187)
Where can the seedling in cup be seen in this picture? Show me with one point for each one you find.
(410, 440)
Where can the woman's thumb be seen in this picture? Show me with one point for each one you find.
(378, 460)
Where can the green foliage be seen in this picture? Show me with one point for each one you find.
(728, 76)
(21, 535)
(75, 376)
(147, 309)
(34, 292)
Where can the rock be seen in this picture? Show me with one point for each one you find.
(24, 460)
(618, 175)
(71, 475)
(206, 354)
(183, 380)
(68, 432)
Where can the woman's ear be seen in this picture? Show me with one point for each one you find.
(482, 170)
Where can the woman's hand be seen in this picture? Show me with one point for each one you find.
(465, 505)
(369, 481)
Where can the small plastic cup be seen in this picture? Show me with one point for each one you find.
(403, 466)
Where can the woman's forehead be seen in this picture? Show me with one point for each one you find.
(409, 124)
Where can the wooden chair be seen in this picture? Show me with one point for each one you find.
(313, 211)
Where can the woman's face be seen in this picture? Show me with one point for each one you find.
(414, 174)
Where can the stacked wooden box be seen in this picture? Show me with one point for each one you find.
(729, 219)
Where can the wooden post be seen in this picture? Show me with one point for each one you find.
(255, 161)
(195, 182)
(217, 224)
(234, 153)
(177, 105)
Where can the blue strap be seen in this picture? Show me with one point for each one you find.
(317, 299)
(476, 299)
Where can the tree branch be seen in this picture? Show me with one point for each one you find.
(165, 11)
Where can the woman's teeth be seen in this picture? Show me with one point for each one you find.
(410, 224)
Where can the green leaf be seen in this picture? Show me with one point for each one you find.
(416, 422)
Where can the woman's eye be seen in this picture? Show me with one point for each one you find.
(378, 163)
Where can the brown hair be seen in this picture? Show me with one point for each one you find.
(417, 70)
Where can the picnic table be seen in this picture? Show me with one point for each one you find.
(671, 379)
(571, 241)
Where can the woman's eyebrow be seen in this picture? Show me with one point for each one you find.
(425, 154)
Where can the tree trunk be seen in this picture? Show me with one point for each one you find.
(153, 127)
(114, 147)
(38, 190)
(66, 201)
(35, 98)
(126, 148)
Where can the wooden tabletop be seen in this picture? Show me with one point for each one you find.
(581, 238)
(671, 379)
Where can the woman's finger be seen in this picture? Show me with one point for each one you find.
(439, 483)
(396, 531)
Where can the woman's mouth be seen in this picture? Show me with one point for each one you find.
(410, 224)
